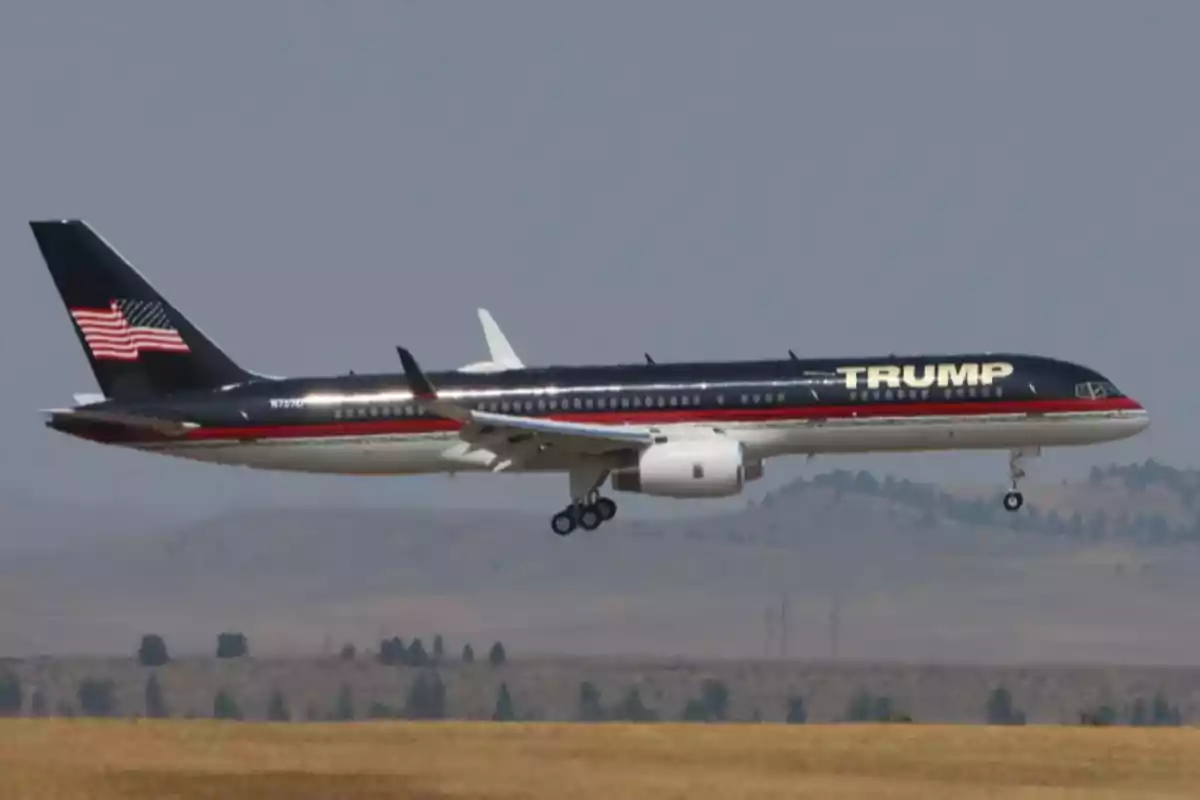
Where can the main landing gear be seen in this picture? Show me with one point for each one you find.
(588, 510)
(589, 515)
(1013, 499)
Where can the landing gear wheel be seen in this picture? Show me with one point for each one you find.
(1013, 501)
(563, 523)
(607, 509)
(590, 518)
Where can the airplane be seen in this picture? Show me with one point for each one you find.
(677, 430)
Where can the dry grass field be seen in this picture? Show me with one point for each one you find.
(65, 759)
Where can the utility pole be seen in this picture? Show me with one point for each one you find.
(783, 636)
(835, 623)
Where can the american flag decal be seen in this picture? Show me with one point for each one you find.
(126, 328)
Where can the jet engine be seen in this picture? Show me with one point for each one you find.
(688, 468)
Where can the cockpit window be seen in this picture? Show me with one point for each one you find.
(1096, 390)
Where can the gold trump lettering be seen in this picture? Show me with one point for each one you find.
(922, 376)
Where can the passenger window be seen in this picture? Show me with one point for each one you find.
(624, 402)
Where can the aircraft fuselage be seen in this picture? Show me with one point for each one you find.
(370, 424)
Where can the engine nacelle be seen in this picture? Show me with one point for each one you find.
(689, 468)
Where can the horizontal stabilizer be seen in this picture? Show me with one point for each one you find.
(166, 427)
(87, 399)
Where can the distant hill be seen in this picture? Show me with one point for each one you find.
(1146, 502)
(1099, 571)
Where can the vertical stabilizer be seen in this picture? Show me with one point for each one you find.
(137, 343)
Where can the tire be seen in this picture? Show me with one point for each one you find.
(563, 523)
(589, 518)
(607, 508)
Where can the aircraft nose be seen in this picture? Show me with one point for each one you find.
(1138, 415)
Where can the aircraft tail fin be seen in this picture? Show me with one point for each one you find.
(137, 343)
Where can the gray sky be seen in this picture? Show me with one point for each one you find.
(314, 183)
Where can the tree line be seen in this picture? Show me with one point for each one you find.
(152, 652)
(425, 699)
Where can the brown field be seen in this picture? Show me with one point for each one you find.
(73, 758)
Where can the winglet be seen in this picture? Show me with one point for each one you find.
(422, 389)
(500, 353)
(498, 347)
(425, 394)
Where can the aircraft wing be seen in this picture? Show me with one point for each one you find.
(514, 438)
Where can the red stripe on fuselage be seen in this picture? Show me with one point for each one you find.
(669, 416)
